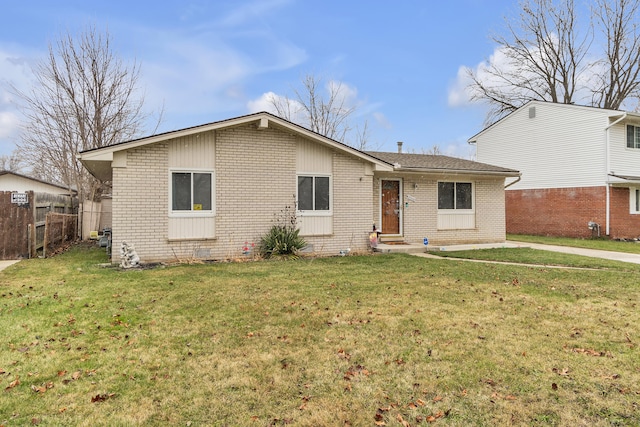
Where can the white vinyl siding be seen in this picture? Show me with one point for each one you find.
(563, 146)
(314, 188)
(193, 157)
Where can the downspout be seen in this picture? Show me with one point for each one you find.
(608, 170)
(514, 182)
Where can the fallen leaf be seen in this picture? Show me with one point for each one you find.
(13, 383)
(437, 398)
(431, 419)
(554, 386)
(76, 375)
(402, 421)
(62, 373)
(102, 397)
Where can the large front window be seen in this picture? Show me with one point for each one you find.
(633, 136)
(314, 193)
(191, 191)
(455, 195)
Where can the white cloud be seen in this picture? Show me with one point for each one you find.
(460, 93)
(204, 70)
(382, 120)
(9, 124)
(15, 70)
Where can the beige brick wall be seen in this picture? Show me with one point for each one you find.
(420, 218)
(255, 179)
(351, 213)
(140, 202)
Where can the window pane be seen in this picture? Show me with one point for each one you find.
(305, 193)
(202, 191)
(463, 195)
(637, 200)
(630, 136)
(445, 195)
(181, 191)
(637, 132)
(322, 193)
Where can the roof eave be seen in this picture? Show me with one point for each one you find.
(97, 159)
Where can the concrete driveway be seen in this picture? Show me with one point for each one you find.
(593, 253)
(5, 264)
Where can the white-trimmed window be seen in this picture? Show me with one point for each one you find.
(314, 194)
(634, 200)
(455, 196)
(191, 192)
(633, 136)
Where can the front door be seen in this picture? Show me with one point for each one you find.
(390, 206)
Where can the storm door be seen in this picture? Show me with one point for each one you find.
(390, 204)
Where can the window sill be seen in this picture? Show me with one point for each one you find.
(192, 239)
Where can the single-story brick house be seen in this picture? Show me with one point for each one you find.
(210, 191)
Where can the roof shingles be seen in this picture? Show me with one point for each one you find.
(408, 161)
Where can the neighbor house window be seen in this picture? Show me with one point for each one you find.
(314, 193)
(634, 200)
(633, 136)
(192, 192)
(455, 195)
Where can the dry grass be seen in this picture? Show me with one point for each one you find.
(373, 340)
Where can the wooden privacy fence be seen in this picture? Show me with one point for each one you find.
(59, 229)
(24, 223)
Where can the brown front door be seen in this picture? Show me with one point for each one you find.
(390, 207)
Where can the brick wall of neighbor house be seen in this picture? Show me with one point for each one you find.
(556, 211)
(623, 224)
(420, 217)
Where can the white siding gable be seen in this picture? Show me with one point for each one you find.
(554, 146)
(312, 159)
(192, 152)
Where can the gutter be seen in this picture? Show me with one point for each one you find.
(608, 171)
(505, 174)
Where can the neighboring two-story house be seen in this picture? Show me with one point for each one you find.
(580, 169)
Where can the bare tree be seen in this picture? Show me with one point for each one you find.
(11, 162)
(84, 97)
(617, 76)
(543, 55)
(323, 109)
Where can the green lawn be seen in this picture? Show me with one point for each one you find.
(348, 341)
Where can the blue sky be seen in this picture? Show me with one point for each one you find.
(211, 60)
